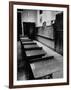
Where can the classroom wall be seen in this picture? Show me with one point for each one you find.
(29, 16)
(46, 16)
(43, 30)
(47, 29)
(35, 16)
(46, 32)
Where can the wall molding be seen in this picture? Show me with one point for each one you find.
(45, 37)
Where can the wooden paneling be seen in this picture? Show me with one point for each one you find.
(46, 32)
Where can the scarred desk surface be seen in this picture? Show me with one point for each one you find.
(30, 46)
(46, 67)
(34, 52)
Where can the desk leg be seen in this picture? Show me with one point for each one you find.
(50, 76)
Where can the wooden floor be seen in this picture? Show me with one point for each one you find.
(23, 73)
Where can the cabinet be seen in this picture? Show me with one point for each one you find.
(58, 33)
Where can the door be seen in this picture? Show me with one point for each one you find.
(59, 33)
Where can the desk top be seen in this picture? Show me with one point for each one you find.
(26, 40)
(35, 53)
(43, 68)
(32, 47)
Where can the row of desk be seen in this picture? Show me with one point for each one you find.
(41, 65)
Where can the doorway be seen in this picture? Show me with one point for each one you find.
(29, 29)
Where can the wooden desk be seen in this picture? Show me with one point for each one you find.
(24, 38)
(32, 47)
(34, 54)
(44, 68)
(28, 43)
(44, 58)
